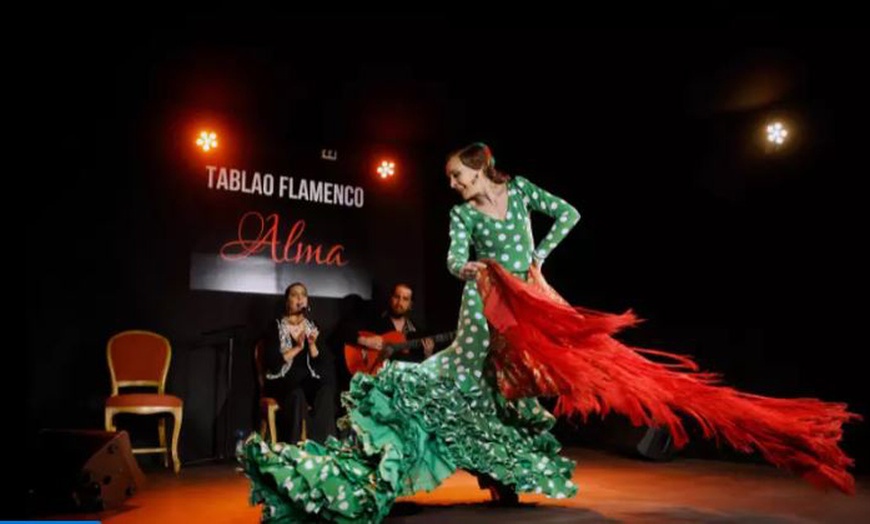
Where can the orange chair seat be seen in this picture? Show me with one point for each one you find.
(143, 399)
(268, 401)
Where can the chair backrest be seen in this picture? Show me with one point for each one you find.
(138, 358)
(260, 366)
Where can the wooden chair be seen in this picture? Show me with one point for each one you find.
(141, 359)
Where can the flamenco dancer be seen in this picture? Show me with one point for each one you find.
(473, 405)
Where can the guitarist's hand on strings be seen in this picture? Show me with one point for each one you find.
(428, 347)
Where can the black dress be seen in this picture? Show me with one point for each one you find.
(305, 390)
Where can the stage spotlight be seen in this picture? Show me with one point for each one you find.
(387, 169)
(207, 141)
(776, 133)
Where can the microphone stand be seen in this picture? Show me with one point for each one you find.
(230, 331)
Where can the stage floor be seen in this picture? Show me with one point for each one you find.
(612, 489)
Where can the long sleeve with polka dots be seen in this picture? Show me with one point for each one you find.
(457, 254)
(565, 215)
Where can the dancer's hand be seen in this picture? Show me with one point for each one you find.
(470, 270)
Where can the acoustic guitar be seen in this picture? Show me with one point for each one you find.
(367, 360)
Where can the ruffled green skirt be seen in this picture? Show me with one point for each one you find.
(413, 425)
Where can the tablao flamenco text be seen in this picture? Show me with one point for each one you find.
(258, 233)
(240, 181)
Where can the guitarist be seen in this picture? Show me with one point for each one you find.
(396, 318)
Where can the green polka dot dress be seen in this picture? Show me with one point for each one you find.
(415, 424)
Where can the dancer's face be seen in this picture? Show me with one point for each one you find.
(464, 180)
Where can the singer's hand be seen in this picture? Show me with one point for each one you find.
(312, 335)
(291, 353)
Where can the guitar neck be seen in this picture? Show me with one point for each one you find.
(414, 344)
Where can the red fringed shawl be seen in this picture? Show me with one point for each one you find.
(542, 346)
